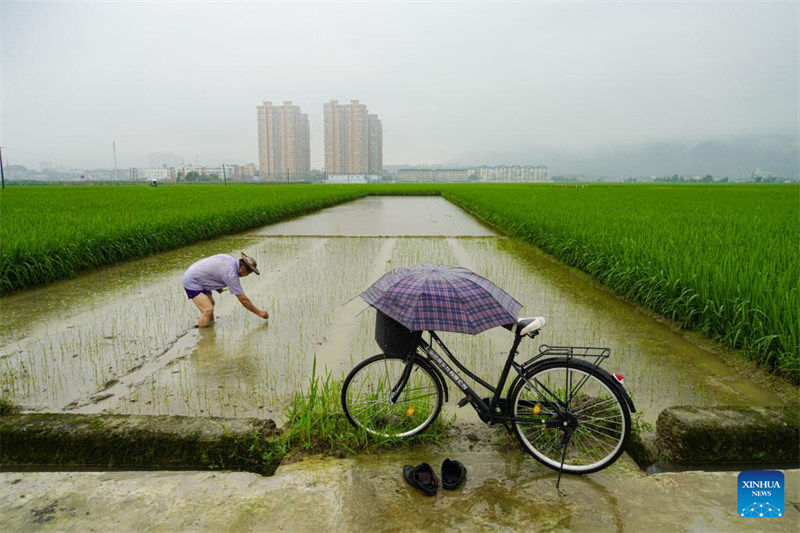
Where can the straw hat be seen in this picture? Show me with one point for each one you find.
(251, 263)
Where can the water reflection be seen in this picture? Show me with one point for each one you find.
(384, 216)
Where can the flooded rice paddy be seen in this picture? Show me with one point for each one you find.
(121, 339)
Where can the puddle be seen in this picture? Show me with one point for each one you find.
(121, 339)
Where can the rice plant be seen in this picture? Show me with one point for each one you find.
(722, 260)
(51, 233)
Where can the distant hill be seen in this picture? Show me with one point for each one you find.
(737, 159)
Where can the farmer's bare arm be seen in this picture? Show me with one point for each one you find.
(250, 307)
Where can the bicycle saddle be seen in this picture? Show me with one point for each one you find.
(528, 325)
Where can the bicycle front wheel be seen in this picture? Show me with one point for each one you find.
(368, 401)
(570, 410)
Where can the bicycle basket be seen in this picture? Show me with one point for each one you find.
(393, 337)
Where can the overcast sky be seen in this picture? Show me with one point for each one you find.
(599, 88)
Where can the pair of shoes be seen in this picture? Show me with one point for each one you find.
(453, 474)
(422, 477)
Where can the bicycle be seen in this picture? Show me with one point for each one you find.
(566, 411)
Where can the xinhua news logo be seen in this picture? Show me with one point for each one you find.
(761, 494)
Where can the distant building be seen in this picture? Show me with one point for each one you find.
(284, 152)
(501, 173)
(353, 140)
(182, 171)
(149, 174)
(160, 174)
(350, 178)
(434, 174)
(248, 171)
(236, 172)
(375, 149)
(229, 172)
(514, 173)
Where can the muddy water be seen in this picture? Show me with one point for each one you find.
(121, 340)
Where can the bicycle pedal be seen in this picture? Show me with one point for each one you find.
(463, 401)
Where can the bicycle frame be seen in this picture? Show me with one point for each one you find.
(489, 413)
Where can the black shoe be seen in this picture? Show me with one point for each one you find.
(453, 474)
(421, 477)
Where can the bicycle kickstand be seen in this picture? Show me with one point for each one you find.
(564, 444)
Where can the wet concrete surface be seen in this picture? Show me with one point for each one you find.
(504, 491)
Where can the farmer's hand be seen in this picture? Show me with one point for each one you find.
(264, 315)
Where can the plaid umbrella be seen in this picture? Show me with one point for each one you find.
(441, 298)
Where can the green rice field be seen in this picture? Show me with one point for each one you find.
(52, 233)
(722, 260)
(719, 259)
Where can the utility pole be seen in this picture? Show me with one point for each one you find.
(2, 172)
(287, 175)
(224, 178)
(114, 146)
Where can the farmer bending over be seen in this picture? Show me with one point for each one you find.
(214, 274)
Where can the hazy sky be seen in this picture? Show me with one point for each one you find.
(583, 87)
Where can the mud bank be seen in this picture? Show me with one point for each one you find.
(57, 440)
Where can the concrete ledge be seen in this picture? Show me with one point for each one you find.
(136, 441)
(687, 435)
(641, 447)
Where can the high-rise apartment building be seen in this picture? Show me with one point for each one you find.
(353, 140)
(375, 145)
(284, 145)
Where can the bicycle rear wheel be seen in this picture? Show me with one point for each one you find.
(367, 402)
(572, 410)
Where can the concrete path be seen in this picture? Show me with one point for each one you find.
(505, 491)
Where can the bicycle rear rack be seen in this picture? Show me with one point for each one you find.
(570, 352)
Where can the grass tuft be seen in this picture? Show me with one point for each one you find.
(315, 423)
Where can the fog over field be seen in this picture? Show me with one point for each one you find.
(595, 88)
